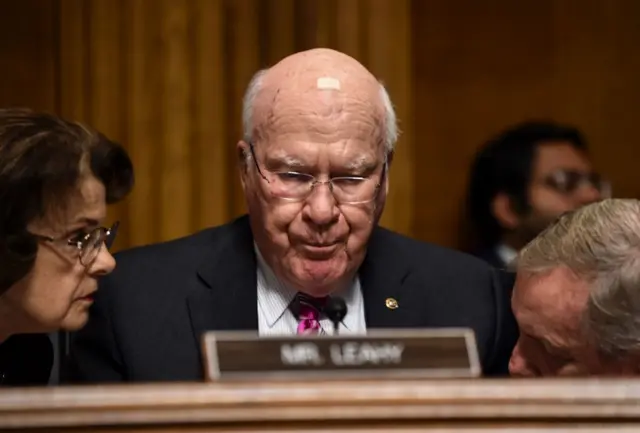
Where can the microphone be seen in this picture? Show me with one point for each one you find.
(336, 310)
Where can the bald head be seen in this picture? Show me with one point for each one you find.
(299, 73)
(323, 83)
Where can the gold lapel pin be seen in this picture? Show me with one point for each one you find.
(391, 303)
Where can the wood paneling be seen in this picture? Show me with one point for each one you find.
(28, 53)
(166, 78)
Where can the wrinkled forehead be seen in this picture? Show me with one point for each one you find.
(326, 95)
(321, 112)
(354, 157)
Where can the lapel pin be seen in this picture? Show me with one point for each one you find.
(391, 303)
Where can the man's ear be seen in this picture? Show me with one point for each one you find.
(390, 158)
(242, 153)
(386, 176)
(503, 210)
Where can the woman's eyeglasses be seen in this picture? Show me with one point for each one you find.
(88, 244)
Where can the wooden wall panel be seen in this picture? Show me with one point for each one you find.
(212, 167)
(597, 70)
(142, 102)
(176, 113)
(28, 53)
(390, 58)
(244, 50)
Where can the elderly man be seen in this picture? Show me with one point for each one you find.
(577, 295)
(319, 134)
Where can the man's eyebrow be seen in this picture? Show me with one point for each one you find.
(360, 163)
(284, 160)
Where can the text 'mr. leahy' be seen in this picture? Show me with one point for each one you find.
(354, 354)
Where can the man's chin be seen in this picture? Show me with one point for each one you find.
(319, 277)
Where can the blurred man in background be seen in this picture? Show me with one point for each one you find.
(577, 295)
(522, 180)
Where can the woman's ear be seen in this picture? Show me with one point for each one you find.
(503, 210)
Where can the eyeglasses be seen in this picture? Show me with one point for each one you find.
(293, 186)
(569, 181)
(88, 244)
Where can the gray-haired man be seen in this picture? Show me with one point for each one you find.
(577, 294)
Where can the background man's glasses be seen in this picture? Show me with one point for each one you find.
(88, 244)
(293, 186)
(569, 181)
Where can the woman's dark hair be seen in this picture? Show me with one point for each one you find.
(504, 165)
(42, 160)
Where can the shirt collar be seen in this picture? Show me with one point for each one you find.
(274, 296)
(506, 254)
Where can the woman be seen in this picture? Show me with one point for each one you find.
(56, 179)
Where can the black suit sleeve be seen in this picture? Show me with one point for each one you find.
(506, 332)
(94, 355)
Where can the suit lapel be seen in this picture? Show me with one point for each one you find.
(382, 275)
(227, 298)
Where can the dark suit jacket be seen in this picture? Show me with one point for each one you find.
(490, 255)
(26, 359)
(150, 312)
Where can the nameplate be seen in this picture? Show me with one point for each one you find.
(428, 353)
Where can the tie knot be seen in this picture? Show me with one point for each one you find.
(307, 311)
(304, 306)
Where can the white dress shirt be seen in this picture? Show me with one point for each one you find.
(274, 297)
(506, 254)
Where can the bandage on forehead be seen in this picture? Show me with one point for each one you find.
(328, 83)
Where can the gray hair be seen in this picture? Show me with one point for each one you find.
(600, 243)
(390, 122)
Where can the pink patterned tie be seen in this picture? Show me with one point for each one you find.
(307, 310)
(308, 317)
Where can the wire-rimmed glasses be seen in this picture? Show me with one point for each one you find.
(88, 244)
(294, 186)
